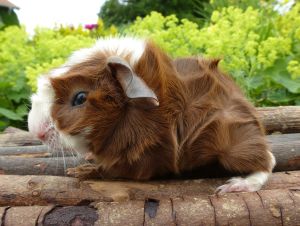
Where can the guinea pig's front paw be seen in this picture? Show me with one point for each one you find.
(85, 171)
(237, 184)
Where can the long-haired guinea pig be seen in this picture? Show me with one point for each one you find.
(144, 115)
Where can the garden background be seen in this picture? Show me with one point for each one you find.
(257, 40)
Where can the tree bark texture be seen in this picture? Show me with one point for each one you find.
(44, 190)
(280, 119)
(262, 208)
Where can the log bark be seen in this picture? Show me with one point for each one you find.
(281, 119)
(265, 207)
(37, 151)
(18, 139)
(66, 191)
(38, 166)
(286, 149)
(30, 160)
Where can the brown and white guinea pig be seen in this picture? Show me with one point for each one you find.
(143, 115)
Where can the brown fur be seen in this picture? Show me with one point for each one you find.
(203, 117)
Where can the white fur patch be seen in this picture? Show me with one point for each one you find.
(59, 71)
(251, 183)
(41, 105)
(76, 142)
(118, 46)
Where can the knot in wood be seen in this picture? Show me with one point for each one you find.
(32, 184)
(36, 193)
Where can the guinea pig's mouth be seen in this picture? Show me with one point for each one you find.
(52, 140)
(57, 141)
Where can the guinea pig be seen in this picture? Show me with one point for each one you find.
(143, 115)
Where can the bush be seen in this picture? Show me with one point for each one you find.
(259, 48)
(51, 50)
(15, 55)
(178, 38)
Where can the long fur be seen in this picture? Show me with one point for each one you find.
(203, 118)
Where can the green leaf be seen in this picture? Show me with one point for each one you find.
(254, 82)
(22, 110)
(3, 124)
(280, 96)
(284, 79)
(10, 114)
(17, 97)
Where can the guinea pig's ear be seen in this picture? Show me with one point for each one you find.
(135, 88)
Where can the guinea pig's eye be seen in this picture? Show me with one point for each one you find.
(79, 99)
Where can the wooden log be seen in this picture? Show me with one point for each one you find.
(45, 190)
(37, 166)
(286, 149)
(18, 139)
(22, 161)
(282, 119)
(25, 215)
(11, 129)
(37, 151)
(262, 208)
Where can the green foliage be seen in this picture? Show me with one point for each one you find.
(51, 48)
(207, 8)
(258, 47)
(15, 54)
(124, 12)
(177, 38)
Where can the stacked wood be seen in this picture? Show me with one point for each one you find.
(189, 202)
(40, 190)
(275, 207)
(33, 199)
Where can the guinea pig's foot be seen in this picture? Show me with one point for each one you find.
(85, 171)
(237, 184)
(89, 156)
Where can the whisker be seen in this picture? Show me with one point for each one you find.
(63, 155)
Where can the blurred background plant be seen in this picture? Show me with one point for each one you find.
(8, 16)
(257, 40)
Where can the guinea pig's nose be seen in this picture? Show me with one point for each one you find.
(42, 135)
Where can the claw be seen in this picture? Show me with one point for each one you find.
(235, 185)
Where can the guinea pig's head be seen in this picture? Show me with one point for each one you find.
(89, 93)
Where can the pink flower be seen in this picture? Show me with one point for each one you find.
(90, 26)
